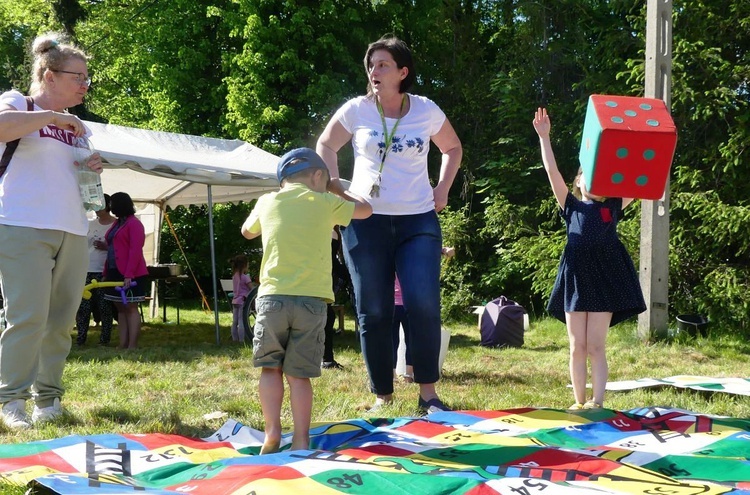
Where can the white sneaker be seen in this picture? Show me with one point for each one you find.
(14, 414)
(380, 403)
(44, 414)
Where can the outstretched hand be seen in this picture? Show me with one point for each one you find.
(541, 122)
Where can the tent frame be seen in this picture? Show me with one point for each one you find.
(166, 169)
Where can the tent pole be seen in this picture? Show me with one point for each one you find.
(213, 261)
(155, 303)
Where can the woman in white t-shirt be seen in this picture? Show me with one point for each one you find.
(96, 304)
(390, 131)
(43, 230)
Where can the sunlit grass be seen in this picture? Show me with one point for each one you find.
(180, 374)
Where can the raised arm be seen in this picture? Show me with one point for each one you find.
(542, 127)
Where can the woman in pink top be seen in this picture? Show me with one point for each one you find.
(125, 262)
(241, 287)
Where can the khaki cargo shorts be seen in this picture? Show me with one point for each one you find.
(290, 334)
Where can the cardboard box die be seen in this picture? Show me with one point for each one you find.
(627, 146)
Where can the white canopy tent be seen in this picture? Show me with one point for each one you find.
(160, 169)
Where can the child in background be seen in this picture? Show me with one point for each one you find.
(597, 285)
(241, 287)
(295, 286)
(400, 319)
(339, 279)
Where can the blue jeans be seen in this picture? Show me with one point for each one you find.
(401, 319)
(376, 249)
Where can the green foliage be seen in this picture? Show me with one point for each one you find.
(191, 231)
(709, 263)
(558, 65)
(155, 70)
(546, 61)
(20, 22)
(298, 62)
(710, 257)
(459, 274)
(273, 71)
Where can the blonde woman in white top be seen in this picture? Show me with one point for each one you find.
(43, 229)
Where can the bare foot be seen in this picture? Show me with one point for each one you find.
(303, 444)
(270, 447)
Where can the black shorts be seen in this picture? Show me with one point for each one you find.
(134, 294)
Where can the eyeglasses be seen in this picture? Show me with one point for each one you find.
(81, 78)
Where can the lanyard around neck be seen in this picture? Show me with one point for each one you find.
(388, 137)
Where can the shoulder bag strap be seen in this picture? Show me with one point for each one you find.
(11, 146)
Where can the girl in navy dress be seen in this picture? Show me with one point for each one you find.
(596, 285)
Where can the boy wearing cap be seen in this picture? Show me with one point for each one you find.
(295, 286)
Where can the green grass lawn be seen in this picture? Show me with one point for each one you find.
(180, 374)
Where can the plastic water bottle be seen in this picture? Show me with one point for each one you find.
(89, 183)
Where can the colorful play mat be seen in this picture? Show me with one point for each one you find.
(527, 451)
(729, 385)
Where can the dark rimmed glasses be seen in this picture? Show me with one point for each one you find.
(81, 78)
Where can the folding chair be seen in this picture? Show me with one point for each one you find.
(228, 287)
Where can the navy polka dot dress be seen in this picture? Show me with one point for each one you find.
(596, 272)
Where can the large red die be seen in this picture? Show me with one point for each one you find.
(627, 146)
